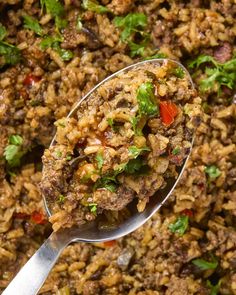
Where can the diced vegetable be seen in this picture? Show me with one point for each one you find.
(61, 198)
(188, 212)
(38, 217)
(180, 225)
(93, 207)
(168, 112)
(212, 171)
(30, 80)
(176, 151)
(110, 243)
(146, 100)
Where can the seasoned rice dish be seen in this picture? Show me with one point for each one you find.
(124, 141)
(51, 54)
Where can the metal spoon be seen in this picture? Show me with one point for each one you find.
(33, 274)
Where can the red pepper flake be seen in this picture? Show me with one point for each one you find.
(188, 212)
(30, 80)
(168, 111)
(110, 243)
(38, 217)
(20, 215)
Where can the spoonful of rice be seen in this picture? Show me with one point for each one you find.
(114, 161)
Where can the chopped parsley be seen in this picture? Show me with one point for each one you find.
(92, 5)
(136, 166)
(134, 122)
(204, 265)
(100, 160)
(107, 182)
(61, 198)
(10, 52)
(79, 24)
(32, 24)
(92, 207)
(179, 72)
(212, 171)
(216, 74)
(146, 100)
(214, 288)
(3, 32)
(111, 123)
(157, 55)
(176, 151)
(134, 151)
(56, 10)
(131, 24)
(54, 43)
(13, 151)
(180, 225)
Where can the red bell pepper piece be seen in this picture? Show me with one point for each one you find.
(30, 80)
(38, 217)
(188, 212)
(168, 111)
(110, 243)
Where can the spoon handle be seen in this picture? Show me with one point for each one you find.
(33, 274)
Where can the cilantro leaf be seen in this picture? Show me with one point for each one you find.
(200, 60)
(137, 49)
(64, 54)
(13, 151)
(135, 151)
(100, 160)
(214, 288)
(134, 122)
(204, 265)
(110, 122)
(130, 24)
(134, 166)
(212, 171)
(180, 225)
(107, 182)
(92, 207)
(3, 32)
(10, 53)
(92, 5)
(146, 100)
(32, 24)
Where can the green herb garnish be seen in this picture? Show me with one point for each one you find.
(146, 100)
(204, 265)
(10, 53)
(157, 55)
(218, 74)
(13, 151)
(92, 5)
(54, 43)
(134, 166)
(100, 160)
(111, 123)
(56, 10)
(212, 171)
(180, 225)
(134, 122)
(61, 198)
(107, 182)
(68, 157)
(58, 153)
(32, 24)
(214, 288)
(92, 207)
(79, 24)
(3, 32)
(134, 151)
(176, 151)
(137, 49)
(179, 72)
(131, 23)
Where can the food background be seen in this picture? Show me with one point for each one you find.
(189, 247)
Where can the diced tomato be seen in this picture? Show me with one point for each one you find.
(188, 212)
(38, 217)
(30, 80)
(168, 111)
(20, 215)
(110, 243)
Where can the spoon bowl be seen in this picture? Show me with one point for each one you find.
(44, 259)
